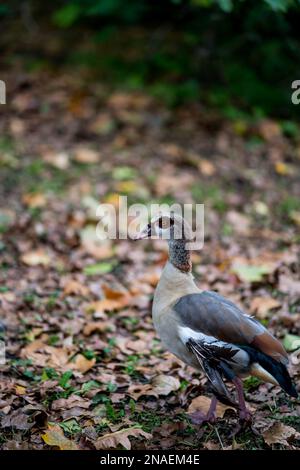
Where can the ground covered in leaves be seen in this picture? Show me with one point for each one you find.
(84, 368)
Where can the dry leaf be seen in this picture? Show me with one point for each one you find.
(239, 222)
(206, 167)
(60, 160)
(261, 306)
(283, 169)
(114, 439)
(160, 385)
(269, 129)
(55, 437)
(36, 257)
(165, 384)
(288, 285)
(114, 300)
(20, 390)
(101, 326)
(34, 200)
(86, 155)
(99, 249)
(83, 364)
(202, 403)
(76, 288)
(279, 433)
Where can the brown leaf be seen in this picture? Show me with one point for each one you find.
(283, 169)
(86, 155)
(279, 433)
(82, 364)
(165, 384)
(160, 385)
(34, 200)
(202, 403)
(261, 306)
(71, 402)
(114, 300)
(288, 285)
(101, 326)
(55, 437)
(269, 129)
(206, 167)
(239, 222)
(114, 439)
(17, 420)
(36, 257)
(60, 160)
(76, 288)
(99, 249)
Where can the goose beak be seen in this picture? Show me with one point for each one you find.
(145, 233)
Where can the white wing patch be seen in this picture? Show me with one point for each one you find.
(186, 333)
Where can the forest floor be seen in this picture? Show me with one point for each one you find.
(84, 367)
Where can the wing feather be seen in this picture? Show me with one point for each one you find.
(213, 315)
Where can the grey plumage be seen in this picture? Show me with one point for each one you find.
(207, 331)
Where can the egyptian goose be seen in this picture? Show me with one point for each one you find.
(209, 332)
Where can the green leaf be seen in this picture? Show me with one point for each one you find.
(278, 5)
(87, 386)
(249, 273)
(71, 426)
(124, 173)
(66, 16)
(291, 342)
(64, 380)
(99, 268)
(225, 5)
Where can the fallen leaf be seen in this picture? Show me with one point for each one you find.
(17, 420)
(279, 433)
(202, 403)
(36, 257)
(60, 160)
(160, 385)
(261, 306)
(114, 439)
(86, 155)
(99, 249)
(250, 273)
(20, 390)
(101, 326)
(269, 129)
(75, 288)
(283, 169)
(55, 437)
(239, 222)
(34, 200)
(206, 167)
(295, 217)
(82, 364)
(99, 268)
(114, 300)
(71, 402)
(291, 342)
(165, 384)
(288, 285)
